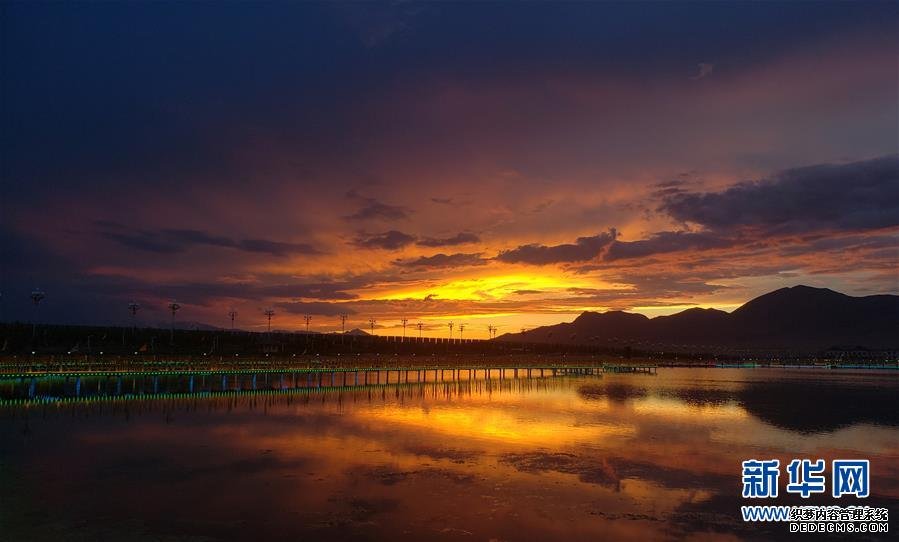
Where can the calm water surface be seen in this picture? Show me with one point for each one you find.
(613, 457)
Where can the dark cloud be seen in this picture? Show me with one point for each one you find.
(458, 239)
(670, 188)
(144, 241)
(316, 290)
(442, 261)
(275, 248)
(860, 195)
(372, 209)
(205, 293)
(376, 23)
(390, 240)
(666, 241)
(811, 201)
(542, 206)
(315, 307)
(451, 201)
(647, 289)
(197, 237)
(577, 291)
(582, 250)
(703, 69)
(169, 241)
(662, 285)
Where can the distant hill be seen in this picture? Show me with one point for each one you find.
(185, 324)
(357, 331)
(800, 317)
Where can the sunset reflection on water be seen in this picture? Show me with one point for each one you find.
(581, 458)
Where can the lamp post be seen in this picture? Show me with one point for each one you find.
(37, 295)
(269, 312)
(343, 317)
(133, 307)
(174, 306)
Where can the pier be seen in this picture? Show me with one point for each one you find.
(66, 386)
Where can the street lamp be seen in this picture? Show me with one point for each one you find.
(269, 312)
(174, 306)
(343, 317)
(37, 295)
(133, 307)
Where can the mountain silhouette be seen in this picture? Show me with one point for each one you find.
(801, 318)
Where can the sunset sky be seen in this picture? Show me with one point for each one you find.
(508, 164)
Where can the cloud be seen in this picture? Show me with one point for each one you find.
(314, 290)
(542, 206)
(705, 69)
(443, 261)
(647, 288)
(376, 23)
(170, 241)
(810, 202)
(458, 239)
(197, 237)
(315, 307)
(372, 209)
(275, 248)
(861, 195)
(851, 243)
(667, 189)
(666, 241)
(451, 202)
(582, 250)
(144, 241)
(390, 240)
(205, 293)
(393, 240)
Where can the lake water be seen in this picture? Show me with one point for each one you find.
(611, 457)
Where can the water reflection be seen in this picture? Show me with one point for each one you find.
(802, 401)
(581, 458)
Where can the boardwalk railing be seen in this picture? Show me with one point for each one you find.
(502, 371)
(51, 387)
